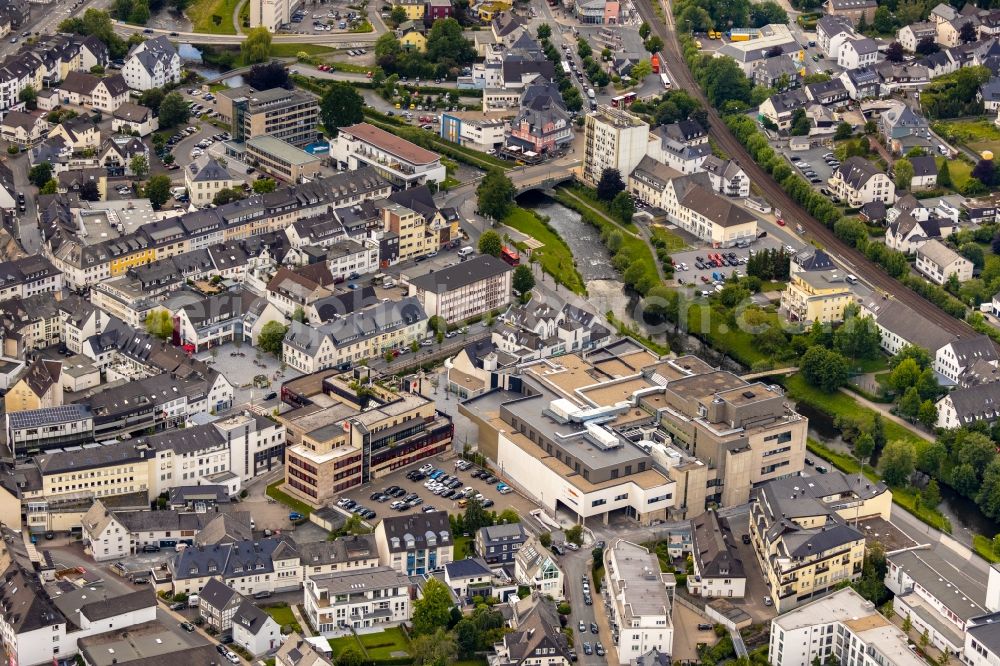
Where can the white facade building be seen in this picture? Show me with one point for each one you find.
(641, 600)
(613, 139)
(370, 599)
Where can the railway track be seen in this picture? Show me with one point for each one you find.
(792, 212)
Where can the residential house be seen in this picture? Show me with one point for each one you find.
(691, 202)
(297, 651)
(911, 35)
(415, 543)
(861, 83)
(831, 32)
(254, 630)
(906, 232)
(859, 52)
(835, 627)
(77, 133)
(938, 262)
(217, 604)
(469, 578)
(641, 600)
(23, 129)
(925, 172)
(852, 9)
(965, 406)
(40, 386)
(535, 639)
(264, 565)
(780, 73)
(542, 125)
(537, 568)
(857, 181)
(718, 570)
(152, 64)
(953, 360)
(801, 535)
(357, 600)
(828, 93)
(902, 128)
(780, 107)
(498, 544)
(727, 177)
(206, 177)
(135, 119)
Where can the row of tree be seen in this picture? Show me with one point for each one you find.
(447, 52)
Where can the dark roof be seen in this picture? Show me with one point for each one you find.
(114, 606)
(817, 261)
(463, 274)
(470, 566)
(976, 402)
(218, 595)
(89, 458)
(924, 165)
(911, 326)
(418, 529)
(715, 547)
(250, 618)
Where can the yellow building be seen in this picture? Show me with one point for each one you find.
(120, 265)
(414, 41)
(816, 296)
(416, 237)
(818, 545)
(414, 8)
(88, 474)
(39, 387)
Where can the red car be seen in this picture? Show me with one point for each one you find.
(781, 222)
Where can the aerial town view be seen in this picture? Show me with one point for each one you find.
(500, 332)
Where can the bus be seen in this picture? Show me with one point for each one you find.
(623, 101)
(665, 80)
(565, 68)
(510, 256)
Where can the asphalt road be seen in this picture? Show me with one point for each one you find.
(792, 212)
(342, 38)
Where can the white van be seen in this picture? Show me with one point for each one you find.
(465, 251)
(851, 279)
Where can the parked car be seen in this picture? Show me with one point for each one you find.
(295, 515)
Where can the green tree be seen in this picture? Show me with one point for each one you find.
(623, 207)
(51, 187)
(495, 195)
(340, 106)
(89, 191)
(858, 338)
(864, 446)
(927, 413)
(545, 538)
(583, 48)
(257, 45)
(272, 338)
(158, 190)
(264, 185)
(766, 13)
(523, 281)
(139, 166)
(640, 71)
(436, 647)
(226, 195)
(907, 624)
(944, 175)
(897, 462)
(843, 131)
(29, 97)
(398, 15)
(447, 46)
(903, 170)
(160, 324)
(432, 610)
(40, 174)
(490, 243)
(904, 376)
(824, 369)
(883, 22)
(475, 516)
(653, 44)
(350, 656)
(544, 31)
(610, 184)
(173, 111)
(644, 30)
(575, 534)
(909, 404)
(930, 496)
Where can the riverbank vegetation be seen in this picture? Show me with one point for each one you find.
(554, 256)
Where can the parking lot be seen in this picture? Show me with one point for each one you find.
(814, 159)
(703, 278)
(500, 502)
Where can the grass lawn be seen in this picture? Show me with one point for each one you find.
(674, 242)
(245, 14)
(290, 502)
(381, 646)
(960, 171)
(463, 547)
(281, 614)
(970, 132)
(338, 645)
(213, 17)
(714, 326)
(470, 662)
(555, 257)
(293, 50)
(984, 548)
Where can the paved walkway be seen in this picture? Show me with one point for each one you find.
(886, 414)
(301, 620)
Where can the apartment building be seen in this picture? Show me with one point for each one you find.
(817, 296)
(613, 139)
(353, 440)
(93, 472)
(264, 565)
(718, 570)
(802, 533)
(641, 597)
(367, 333)
(938, 262)
(414, 544)
(271, 14)
(343, 554)
(217, 604)
(288, 115)
(691, 202)
(416, 237)
(399, 161)
(537, 568)
(842, 626)
(470, 288)
(27, 276)
(498, 544)
(477, 130)
(205, 177)
(858, 182)
(940, 597)
(357, 600)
